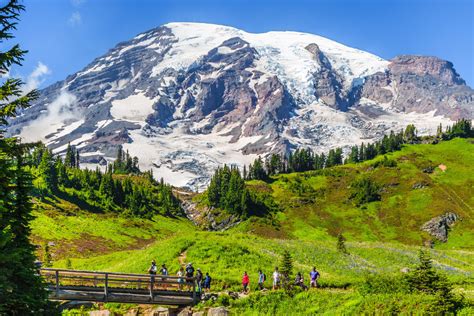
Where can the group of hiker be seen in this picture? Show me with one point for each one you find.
(277, 277)
(185, 276)
(203, 282)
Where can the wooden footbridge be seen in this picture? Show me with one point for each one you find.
(74, 285)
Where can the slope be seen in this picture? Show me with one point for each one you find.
(314, 208)
(421, 182)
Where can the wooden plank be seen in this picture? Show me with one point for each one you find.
(123, 298)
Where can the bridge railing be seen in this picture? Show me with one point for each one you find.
(108, 282)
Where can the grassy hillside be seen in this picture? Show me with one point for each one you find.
(317, 205)
(314, 207)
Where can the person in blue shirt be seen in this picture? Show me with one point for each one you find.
(207, 283)
(261, 280)
(314, 276)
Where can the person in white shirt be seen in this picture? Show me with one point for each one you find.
(153, 269)
(276, 279)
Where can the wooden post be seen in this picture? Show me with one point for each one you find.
(194, 291)
(57, 282)
(106, 284)
(151, 286)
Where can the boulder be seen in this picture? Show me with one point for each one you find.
(439, 226)
(218, 311)
(185, 312)
(161, 311)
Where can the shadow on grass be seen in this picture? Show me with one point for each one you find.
(84, 205)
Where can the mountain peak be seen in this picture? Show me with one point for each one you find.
(188, 97)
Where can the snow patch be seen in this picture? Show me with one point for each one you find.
(134, 108)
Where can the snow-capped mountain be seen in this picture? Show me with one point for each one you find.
(188, 97)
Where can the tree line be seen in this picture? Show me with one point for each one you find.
(227, 191)
(304, 159)
(122, 188)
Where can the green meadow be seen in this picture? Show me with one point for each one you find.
(383, 237)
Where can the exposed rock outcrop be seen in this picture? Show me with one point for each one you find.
(439, 226)
(421, 84)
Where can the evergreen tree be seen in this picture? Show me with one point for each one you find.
(409, 135)
(47, 170)
(286, 269)
(47, 259)
(364, 191)
(21, 289)
(425, 279)
(77, 159)
(354, 155)
(341, 244)
(70, 158)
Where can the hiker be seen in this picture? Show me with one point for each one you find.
(152, 270)
(207, 283)
(314, 276)
(164, 272)
(261, 280)
(189, 275)
(180, 278)
(276, 279)
(199, 277)
(245, 282)
(299, 281)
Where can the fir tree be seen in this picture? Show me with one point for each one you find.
(364, 191)
(341, 244)
(286, 269)
(21, 289)
(409, 135)
(425, 279)
(47, 259)
(70, 158)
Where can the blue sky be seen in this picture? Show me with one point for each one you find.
(63, 36)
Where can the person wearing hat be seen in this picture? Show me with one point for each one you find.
(189, 274)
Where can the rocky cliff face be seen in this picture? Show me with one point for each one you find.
(421, 84)
(187, 97)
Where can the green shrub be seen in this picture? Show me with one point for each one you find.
(375, 283)
(364, 191)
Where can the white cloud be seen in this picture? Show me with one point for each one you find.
(77, 3)
(59, 113)
(75, 19)
(36, 77)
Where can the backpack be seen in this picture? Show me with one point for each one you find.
(264, 277)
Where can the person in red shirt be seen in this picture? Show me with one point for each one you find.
(245, 282)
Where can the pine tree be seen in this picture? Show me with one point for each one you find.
(425, 279)
(47, 259)
(48, 172)
(77, 160)
(21, 289)
(286, 269)
(341, 244)
(70, 158)
(410, 134)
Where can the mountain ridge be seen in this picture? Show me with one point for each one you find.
(188, 97)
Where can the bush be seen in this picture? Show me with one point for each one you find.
(383, 284)
(364, 191)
